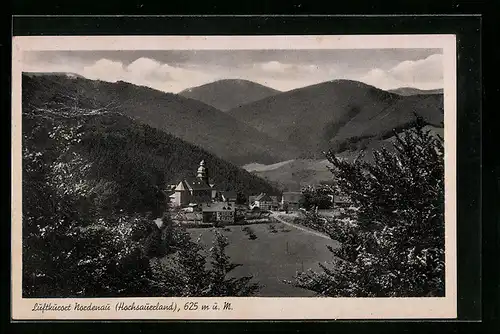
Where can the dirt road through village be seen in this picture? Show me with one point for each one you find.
(276, 216)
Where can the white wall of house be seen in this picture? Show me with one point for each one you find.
(175, 199)
(179, 198)
(264, 205)
(254, 204)
(225, 216)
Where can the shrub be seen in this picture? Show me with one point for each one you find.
(249, 232)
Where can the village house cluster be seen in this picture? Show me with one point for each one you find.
(198, 199)
(288, 201)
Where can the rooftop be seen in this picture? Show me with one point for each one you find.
(263, 197)
(199, 185)
(192, 183)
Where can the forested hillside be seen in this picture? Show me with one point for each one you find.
(185, 118)
(130, 161)
(341, 115)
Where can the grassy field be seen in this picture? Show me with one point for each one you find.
(271, 257)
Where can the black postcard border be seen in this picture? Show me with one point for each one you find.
(469, 93)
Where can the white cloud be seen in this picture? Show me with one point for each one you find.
(381, 79)
(287, 76)
(142, 71)
(103, 69)
(145, 65)
(429, 69)
(274, 67)
(423, 74)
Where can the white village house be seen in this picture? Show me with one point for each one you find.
(264, 201)
(218, 212)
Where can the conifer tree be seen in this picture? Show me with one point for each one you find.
(221, 284)
(186, 272)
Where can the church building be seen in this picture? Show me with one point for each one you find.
(196, 191)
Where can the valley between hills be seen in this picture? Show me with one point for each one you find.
(94, 149)
(276, 139)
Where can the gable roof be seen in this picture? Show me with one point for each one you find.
(191, 183)
(181, 186)
(258, 197)
(199, 185)
(263, 197)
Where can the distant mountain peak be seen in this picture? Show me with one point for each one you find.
(230, 81)
(351, 83)
(226, 94)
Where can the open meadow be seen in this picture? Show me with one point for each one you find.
(276, 254)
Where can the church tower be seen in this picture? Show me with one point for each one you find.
(202, 173)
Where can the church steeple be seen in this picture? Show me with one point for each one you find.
(201, 173)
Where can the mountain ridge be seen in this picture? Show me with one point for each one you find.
(336, 115)
(188, 119)
(407, 91)
(226, 94)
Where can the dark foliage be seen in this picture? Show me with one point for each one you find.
(319, 197)
(92, 182)
(241, 198)
(272, 228)
(392, 241)
(249, 232)
(71, 248)
(186, 272)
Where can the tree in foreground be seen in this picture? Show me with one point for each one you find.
(79, 242)
(392, 241)
(186, 271)
(318, 197)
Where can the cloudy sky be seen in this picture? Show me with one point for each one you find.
(175, 70)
